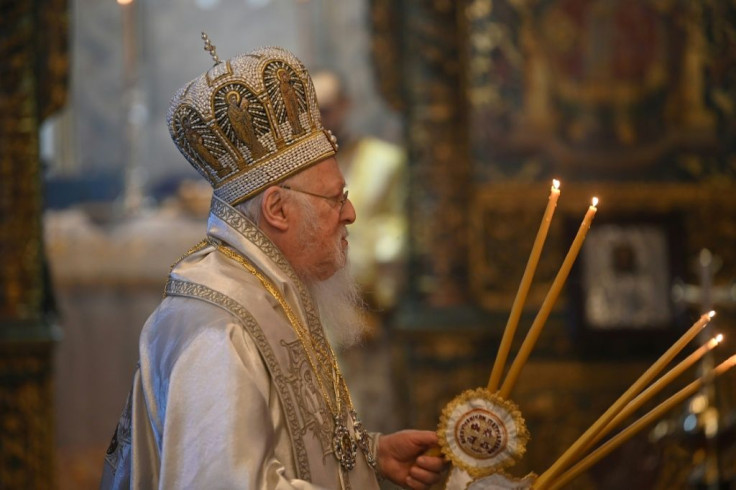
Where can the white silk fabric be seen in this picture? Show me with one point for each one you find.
(224, 396)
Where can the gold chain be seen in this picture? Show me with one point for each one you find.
(338, 382)
(344, 449)
(195, 248)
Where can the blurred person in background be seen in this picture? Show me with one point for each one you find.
(375, 171)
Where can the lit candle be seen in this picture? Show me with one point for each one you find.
(634, 389)
(548, 303)
(521, 294)
(655, 388)
(634, 428)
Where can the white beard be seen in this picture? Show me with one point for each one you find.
(340, 307)
(339, 304)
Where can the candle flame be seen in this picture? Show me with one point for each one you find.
(715, 341)
(594, 201)
(711, 313)
(555, 183)
(124, 2)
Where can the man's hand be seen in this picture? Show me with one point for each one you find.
(401, 459)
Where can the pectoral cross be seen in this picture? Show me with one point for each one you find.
(705, 410)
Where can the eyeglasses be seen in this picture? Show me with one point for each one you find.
(341, 199)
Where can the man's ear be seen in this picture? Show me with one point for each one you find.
(272, 208)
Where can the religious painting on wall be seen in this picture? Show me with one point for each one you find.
(633, 93)
(622, 285)
(625, 277)
(590, 89)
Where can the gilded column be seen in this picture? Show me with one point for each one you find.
(32, 85)
(417, 58)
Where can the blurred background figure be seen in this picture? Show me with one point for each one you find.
(375, 174)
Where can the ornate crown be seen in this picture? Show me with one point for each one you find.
(250, 122)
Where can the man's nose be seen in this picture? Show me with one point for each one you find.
(348, 212)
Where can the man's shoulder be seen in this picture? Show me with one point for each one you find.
(181, 324)
(190, 309)
(180, 318)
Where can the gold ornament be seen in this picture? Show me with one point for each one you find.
(323, 362)
(249, 122)
(480, 432)
(211, 48)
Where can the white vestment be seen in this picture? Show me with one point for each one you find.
(225, 396)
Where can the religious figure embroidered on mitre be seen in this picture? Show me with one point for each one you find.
(197, 144)
(248, 122)
(288, 93)
(242, 122)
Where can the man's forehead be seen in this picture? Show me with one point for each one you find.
(326, 171)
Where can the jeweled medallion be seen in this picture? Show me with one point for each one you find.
(344, 445)
(363, 439)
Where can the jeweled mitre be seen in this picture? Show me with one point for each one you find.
(250, 122)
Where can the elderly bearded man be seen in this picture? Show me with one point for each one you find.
(237, 384)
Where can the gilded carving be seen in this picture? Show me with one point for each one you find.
(26, 450)
(53, 65)
(439, 170)
(20, 279)
(596, 89)
(385, 51)
(33, 85)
